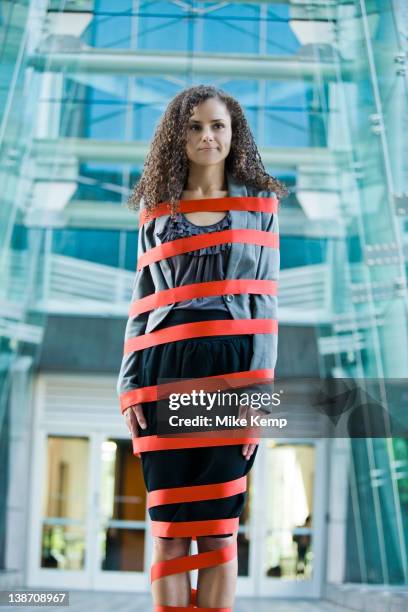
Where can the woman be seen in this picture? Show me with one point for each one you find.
(202, 149)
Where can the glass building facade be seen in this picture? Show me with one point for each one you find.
(82, 86)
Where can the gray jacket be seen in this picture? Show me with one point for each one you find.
(245, 261)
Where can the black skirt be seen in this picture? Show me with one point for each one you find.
(193, 358)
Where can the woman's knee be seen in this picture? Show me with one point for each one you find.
(171, 547)
(207, 543)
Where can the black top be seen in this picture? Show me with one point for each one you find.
(203, 265)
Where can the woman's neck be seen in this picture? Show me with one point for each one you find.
(205, 181)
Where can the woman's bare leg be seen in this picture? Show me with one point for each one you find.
(216, 585)
(173, 590)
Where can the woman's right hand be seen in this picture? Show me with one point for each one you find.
(134, 416)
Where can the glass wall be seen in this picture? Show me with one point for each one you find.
(375, 97)
(21, 251)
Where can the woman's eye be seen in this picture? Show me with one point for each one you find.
(193, 127)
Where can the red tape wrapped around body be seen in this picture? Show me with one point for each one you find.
(174, 333)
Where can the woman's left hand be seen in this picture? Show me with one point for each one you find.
(248, 449)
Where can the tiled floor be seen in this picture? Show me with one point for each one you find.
(83, 601)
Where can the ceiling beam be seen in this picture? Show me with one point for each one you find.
(134, 63)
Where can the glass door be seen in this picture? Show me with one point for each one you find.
(120, 523)
(290, 517)
(244, 541)
(88, 514)
(63, 532)
(60, 498)
(89, 526)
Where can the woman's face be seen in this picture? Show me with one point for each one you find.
(209, 133)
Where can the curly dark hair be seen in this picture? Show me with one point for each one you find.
(165, 171)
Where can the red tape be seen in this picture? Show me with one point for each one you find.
(198, 561)
(196, 290)
(267, 205)
(155, 443)
(201, 329)
(174, 333)
(231, 380)
(192, 243)
(158, 608)
(192, 562)
(196, 493)
(194, 528)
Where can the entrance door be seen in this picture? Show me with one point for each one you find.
(90, 529)
(58, 535)
(290, 511)
(120, 526)
(89, 514)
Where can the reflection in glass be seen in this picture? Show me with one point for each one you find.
(289, 504)
(63, 547)
(64, 503)
(122, 549)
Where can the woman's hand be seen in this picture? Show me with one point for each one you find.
(248, 449)
(134, 416)
(244, 413)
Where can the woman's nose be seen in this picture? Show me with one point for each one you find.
(207, 134)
